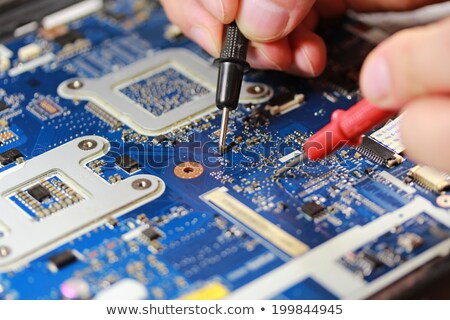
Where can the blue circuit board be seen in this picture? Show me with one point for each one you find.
(394, 248)
(220, 223)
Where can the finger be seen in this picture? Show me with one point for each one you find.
(199, 25)
(275, 55)
(383, 5)
(412, 63)
(224, 10)
(425, 131)
(308, 53)
(303, 53)
(271, 20)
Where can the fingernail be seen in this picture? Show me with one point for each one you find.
(263, 20)
(376, 80)
(204, 38)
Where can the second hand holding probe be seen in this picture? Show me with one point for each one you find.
(345, 128)
(232, 66)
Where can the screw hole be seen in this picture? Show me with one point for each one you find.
(188, 170)
(87, 144)
(75, 85)
(141, 184)
(256, 89)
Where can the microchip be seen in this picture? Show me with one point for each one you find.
(154, 95)
(39, 193)
(69, 37)
(61, 260)
(127, 163)
(151, 234)
(313, 209)
(379, 153)
(10, 156)
(164, 91)
(3, 106)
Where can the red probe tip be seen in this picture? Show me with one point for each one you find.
(345, 129)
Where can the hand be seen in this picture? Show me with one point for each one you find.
(411, 72)
(281, 39)
(280, 30)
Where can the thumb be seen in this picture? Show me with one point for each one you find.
(271, 20)
(425, 131)
(408, 65)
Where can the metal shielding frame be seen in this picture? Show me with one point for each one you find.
(105, 91)
(25, 238)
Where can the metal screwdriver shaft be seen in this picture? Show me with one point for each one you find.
(232, 66)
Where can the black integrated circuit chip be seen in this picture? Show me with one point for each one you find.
(10, 156)
(151, 233)
(312, 209)
(127, 163)
(3, 106)
(39, 193)
(62, 260)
